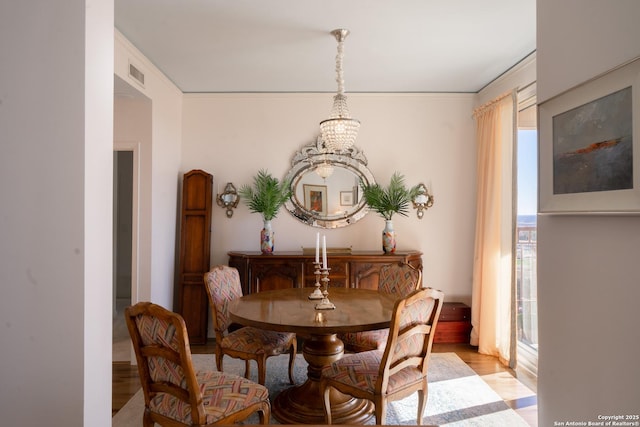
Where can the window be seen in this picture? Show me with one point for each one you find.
(526, 230)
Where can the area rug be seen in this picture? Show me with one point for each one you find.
(457, 395)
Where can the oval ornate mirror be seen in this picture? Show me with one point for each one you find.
(326, 186)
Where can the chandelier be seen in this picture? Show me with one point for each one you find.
(339, 131)
(324, 170)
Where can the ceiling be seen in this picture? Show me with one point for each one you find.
(286, 45)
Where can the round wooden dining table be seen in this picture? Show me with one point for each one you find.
(290, 310)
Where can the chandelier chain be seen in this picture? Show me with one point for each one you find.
(339, 69)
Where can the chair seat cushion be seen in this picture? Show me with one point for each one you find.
(363, 341)
(360, 370)
(257, 341)
(222, 395)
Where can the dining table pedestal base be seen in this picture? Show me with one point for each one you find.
(303, 404)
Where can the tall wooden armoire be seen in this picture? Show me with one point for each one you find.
(195, 243)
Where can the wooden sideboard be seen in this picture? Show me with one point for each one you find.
(282, 270)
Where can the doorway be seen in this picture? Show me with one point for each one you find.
(125, 243)
(131, 133)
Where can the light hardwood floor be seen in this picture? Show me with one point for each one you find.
(501, 379)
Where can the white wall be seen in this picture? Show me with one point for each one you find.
(160, 161)
(427, 137)
(98, 210)
(56, 96)
(588, 272)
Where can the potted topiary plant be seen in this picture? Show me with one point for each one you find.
(265, 197)
(387, 201)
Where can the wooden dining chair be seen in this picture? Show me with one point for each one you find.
(397, 371)
(176, 395)
(247, 343)
(397, 280)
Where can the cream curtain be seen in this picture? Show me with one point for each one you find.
(493, 290)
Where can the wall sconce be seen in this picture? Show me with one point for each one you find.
(422, 200)
(229, 199)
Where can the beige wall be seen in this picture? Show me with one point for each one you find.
(588, 276)
(427, 137)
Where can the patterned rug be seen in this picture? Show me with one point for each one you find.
(457, 396)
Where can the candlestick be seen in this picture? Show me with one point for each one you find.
(317, 294)
(324, 252)
(325, 304)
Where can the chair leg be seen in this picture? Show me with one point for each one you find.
(422, 401)
(325, 390)
(247, 368)
(262, 369)
(264, 413)
(219, 357)
(292, 360)
(380, 409)
(147, 421)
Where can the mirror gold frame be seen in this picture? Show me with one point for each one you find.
(334, 201)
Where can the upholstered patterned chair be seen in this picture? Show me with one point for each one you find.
(174, 394)
(397, 280)
(247, 343)
(397, 371)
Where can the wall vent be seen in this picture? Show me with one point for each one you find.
(136, 74)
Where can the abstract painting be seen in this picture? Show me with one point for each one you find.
(593, 146)
(589, 146)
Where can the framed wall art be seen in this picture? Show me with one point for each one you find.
(315, 198)
(589, 146)
(346, 198)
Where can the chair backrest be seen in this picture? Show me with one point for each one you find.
(411, 334)
(223, 287)
(399, 279)
(162, 350)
